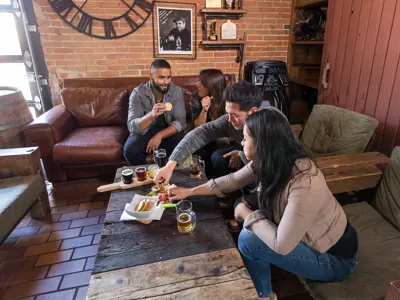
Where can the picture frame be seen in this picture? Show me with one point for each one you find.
(175, 30)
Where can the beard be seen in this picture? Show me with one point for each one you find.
(159, 88)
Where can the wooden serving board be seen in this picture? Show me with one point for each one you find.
(122, 186)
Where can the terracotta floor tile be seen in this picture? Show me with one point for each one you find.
(66, 267)
(8, 243)
(24, 231)
(27, 275)
(76, 242)
(32, 288)
(16, 265)
(85, 251)
(53, 258)
(74, 215)
(14, 253)
(32, 239)
(84, 222)
(75, 280)
(46, 220)
(64, 209)
(24, 222)
(96, 239)
(97, 212)
(62, 295)
(55, 226)
(65, 234)
(58, 202)
(91, 205)
(93, 229)
(90, 263)
(82, 293)
(42, 248)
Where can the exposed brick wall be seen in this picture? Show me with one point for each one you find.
(69, 53)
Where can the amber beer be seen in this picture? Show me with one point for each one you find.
(185, 224)
(194, 171)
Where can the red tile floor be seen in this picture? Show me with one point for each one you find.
(52, 258)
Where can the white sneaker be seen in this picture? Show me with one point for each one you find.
(275, 296)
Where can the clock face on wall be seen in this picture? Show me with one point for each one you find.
(104, 19)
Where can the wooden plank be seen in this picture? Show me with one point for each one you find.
(354, 180)
(379, 58)
(215, 275)
(223, 42)
(388, 78)
(345, 83)
(359, 49)
(337, 66)
(334, 18)
(344, 163)
(149, 244)
(369, 53)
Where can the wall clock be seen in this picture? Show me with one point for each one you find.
(104, 19)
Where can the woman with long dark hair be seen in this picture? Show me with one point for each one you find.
(207, 104)
(297, 223)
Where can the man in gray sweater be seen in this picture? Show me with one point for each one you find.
(242, 99)
(157, 115)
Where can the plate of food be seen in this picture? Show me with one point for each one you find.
(142, 207)
(162, 191)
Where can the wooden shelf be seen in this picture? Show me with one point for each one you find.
(223, 11)
(307, 66)
(308, 83)
(312, 3)
(307, 42)
(222, 43)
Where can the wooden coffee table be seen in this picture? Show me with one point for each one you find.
(155, 261)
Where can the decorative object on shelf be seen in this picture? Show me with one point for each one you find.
(237, 4)
(228, 31)
(174, 30)
(213, 36)
(76, 13)
(214, 3)
(310, 24)
(228, 4)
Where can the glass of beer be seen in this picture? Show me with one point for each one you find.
(160, 157)
(152, 170)
(185, 216)
(197, 165)
(141, 173)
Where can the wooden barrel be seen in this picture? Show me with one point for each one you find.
(14, 115)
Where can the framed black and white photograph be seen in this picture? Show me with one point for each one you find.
(174, 29)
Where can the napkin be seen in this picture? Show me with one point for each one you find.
(156, 214)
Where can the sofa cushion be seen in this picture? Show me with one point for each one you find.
(17, 196)
(332, 130)
(92, 145)
(379, 256)
(97, 106)
(387, 200)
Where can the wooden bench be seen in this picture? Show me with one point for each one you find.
(352, 172)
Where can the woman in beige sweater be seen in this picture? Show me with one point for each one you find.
(297, 224)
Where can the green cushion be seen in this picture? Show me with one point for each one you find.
(387, 200)
(332, 130)
(17, 196)
(379, 259)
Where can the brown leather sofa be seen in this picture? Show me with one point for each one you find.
(84, 136)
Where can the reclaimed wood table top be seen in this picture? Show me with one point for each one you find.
(155, 261)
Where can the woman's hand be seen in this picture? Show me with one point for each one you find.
(206, 102)
(179, 193)
(242, 211)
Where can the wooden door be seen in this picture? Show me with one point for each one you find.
(360, 69)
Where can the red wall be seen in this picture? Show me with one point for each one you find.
(363, 47)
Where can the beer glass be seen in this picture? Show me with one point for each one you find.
(185, 216)
(197, 165)
(160, 157)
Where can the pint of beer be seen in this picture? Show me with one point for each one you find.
(185, 217)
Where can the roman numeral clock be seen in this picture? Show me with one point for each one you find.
(107, 19)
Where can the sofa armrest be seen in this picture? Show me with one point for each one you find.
(49, 129)
(394, 291)
(19, 162)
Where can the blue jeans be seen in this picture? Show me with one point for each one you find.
(302, 261)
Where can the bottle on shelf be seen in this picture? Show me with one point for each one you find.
(213, 36)
(228, 4)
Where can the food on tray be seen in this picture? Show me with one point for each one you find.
(162, 191)
(168, 106)
(144, 205)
